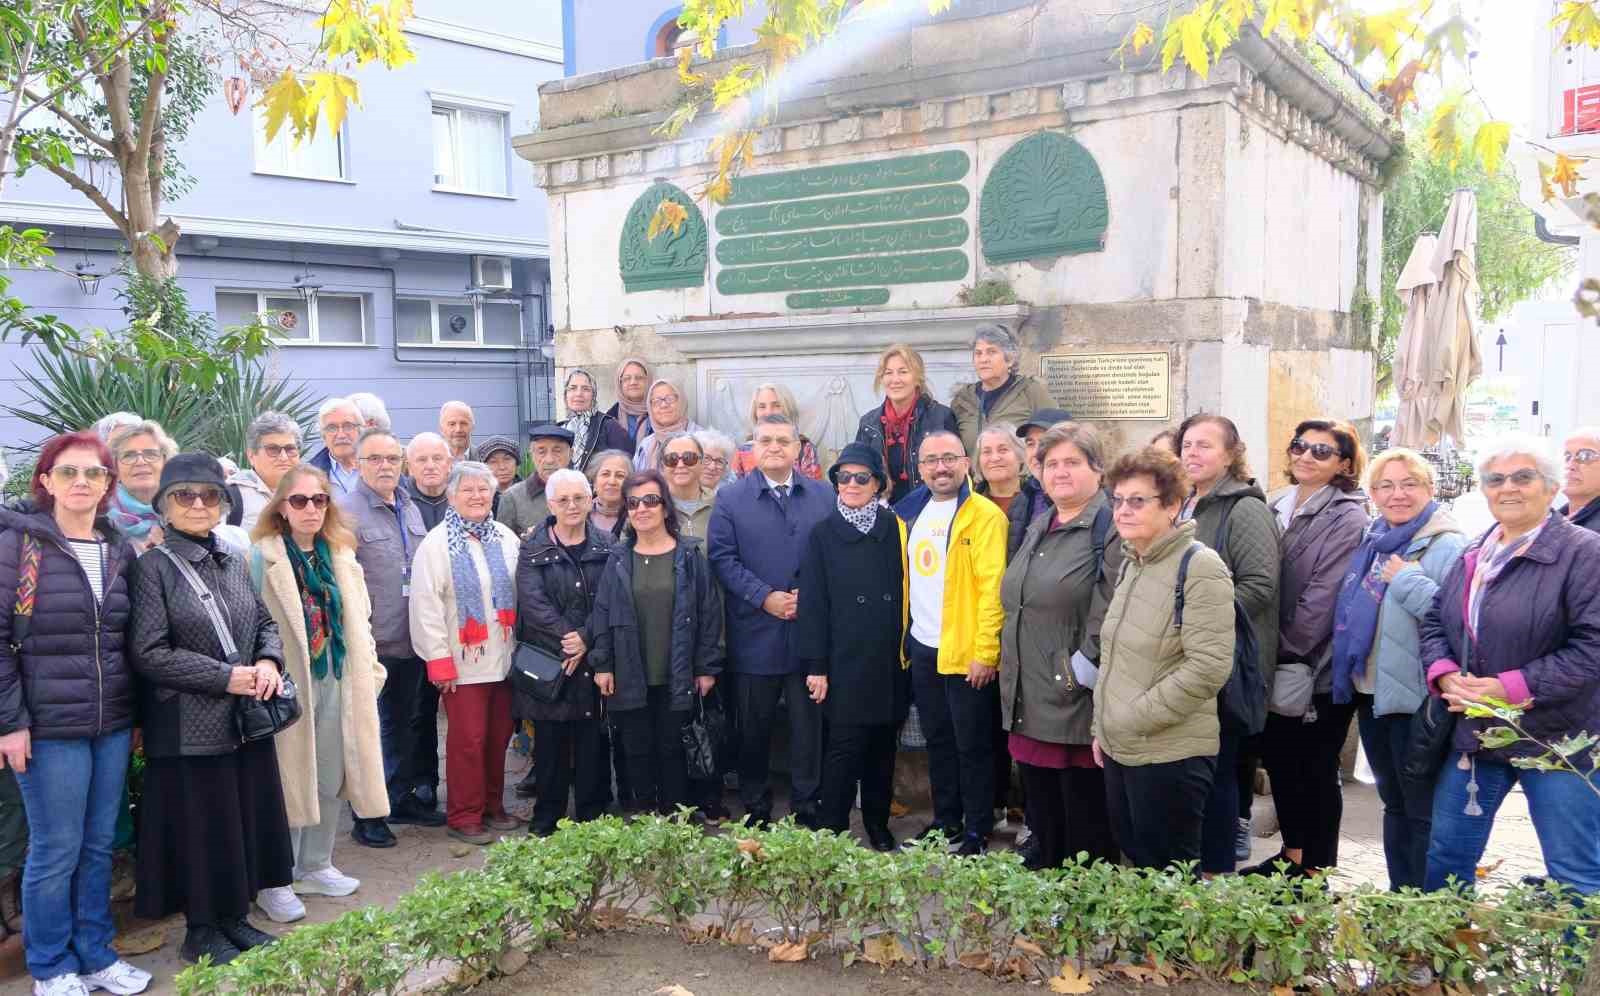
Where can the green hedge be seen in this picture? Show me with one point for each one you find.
(986, 911)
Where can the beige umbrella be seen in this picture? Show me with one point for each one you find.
(1452, 319)
(1417, 287)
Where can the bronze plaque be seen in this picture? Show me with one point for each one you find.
(1109, 385)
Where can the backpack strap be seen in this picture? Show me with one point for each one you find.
(1097, 536)
(1219, 541)
(29, 555)
(1183, 579)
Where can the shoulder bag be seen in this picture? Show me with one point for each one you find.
(537, 673)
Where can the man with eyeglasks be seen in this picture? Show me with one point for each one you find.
(1581, 458)
(272, 445)
(956, 555)
(340, 423)
(389, 528)
(523, 506)
(758, 532)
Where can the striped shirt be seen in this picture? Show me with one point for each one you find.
(91, 554)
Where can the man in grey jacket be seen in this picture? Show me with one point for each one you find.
(389, 528)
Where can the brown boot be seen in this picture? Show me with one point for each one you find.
(11, 902)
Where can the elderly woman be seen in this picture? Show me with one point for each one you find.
(607, 470)
(1008, 479)
(1055, 593)
(853, 613)
(1388, 589)
(775, 399)
(1322, 518)
(632, 408)
(67, 710)
(558, 572)
(908, 413)
(669, 413)
(1231, 516)
(716, 464)
(1155, 701)
(592, 429)
(1000, 394)
(463, 617)
(657, 641)
(272, 445)
(1517, 619)
(213, 830)
(304, 565)
(140, 451)
(679, 458)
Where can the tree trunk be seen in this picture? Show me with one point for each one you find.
(1590, 986)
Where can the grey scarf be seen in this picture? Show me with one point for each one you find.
(862, 518)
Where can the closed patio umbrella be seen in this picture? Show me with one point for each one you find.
(1417, 286)
(1452, 319)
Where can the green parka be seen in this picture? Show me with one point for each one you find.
(1252, 556)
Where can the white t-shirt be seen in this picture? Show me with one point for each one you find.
(926, 547)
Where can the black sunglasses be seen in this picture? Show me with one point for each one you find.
(648, 501)
(298, 502)
(687, 459)
(852, 477)
(1321, 451)
(209, 497)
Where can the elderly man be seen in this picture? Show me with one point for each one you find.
(340, 423)
(1581, 457)
(428, 463)
(272, 445)
(523, 506)
(758, 532)
(374, 413)
(455, 425)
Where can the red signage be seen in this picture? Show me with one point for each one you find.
(1580, 110)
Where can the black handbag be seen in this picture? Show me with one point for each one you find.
(1433, 729)
(537, 673)
(703, 737)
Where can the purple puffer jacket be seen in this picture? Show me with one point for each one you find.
(1538, 632)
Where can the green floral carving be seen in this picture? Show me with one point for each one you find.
(672, 258)
(1045, 197)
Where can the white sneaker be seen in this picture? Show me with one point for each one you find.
(330, 881)
(280, 904)
(119, 977)
(65, 984)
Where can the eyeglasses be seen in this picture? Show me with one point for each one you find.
(66, 473)
(716, 461)
(648, 501)
(1389, 487)
(383, 459)
(279, 452)
(142, 456)
(341, 427)
(664, 402)
(765, 441)
(299, 502)
(1135, 503)
(1584, 455)
(187, 498)
(861, 477)
(687, 459)
(571, 500)
(1521, 478)
(1319, 451)
(940, 460)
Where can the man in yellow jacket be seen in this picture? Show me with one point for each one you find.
(956, 553)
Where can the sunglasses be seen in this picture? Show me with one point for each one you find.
(844, 477)
(1135, 503)
(1585, 455)
(187, 498)
(139, 456)
(1318, 451)
(648, 501)
(1521, 479)
(687, 459)
(299, 502)
(279, 452)
(66, 473)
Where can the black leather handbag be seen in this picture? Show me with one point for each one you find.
(1433, 729)
(703, 738)
(537, 673)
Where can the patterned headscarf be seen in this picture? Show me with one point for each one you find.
(474, 628)
(578, 422)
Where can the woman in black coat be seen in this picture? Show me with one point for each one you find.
(557, 576)
(895, 429)
(852, 622)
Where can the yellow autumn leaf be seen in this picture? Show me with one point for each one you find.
(1490, 144)
(1444, 134)
(328, 100)
(938, 6)
(685, 56)
(1579, 24)
(1141, 37)
(1546, 190)
(1565, 175)
(1073, 981)
(668, 214)
(284, 102)
(1192, 29)
(1289, 14)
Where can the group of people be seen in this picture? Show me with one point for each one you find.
(1048, 608)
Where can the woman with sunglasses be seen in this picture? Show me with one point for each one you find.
(657, 641)
(140, 451)
(213, 831)
(679, 457)
(1322, 516)
(304, 565)
(67, 709)
(1517, 619)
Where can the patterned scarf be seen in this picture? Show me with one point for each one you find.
(474, 631)
(132, 517)
(897, 432)
(578, 422)
(323, 607)
(1493, 558)
(862, 518)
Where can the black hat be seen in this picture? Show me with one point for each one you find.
(549, 430)
(189, 468)
(1044, 418)
(861, 455)
(499, 444)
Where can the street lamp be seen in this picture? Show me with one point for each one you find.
(88, 277)
(307, 285)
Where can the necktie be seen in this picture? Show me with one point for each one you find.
(781, 492)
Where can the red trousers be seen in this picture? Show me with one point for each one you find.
(479, 728)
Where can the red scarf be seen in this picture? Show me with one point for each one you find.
(897, 431)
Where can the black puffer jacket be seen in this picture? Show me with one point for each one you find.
(186, 706)
(62, 672)
(555, 596)
(696, 627)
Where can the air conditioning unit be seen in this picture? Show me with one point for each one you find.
(491, 273)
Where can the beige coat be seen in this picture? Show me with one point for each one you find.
(363, 678)
(1156, 698)
(435, 628)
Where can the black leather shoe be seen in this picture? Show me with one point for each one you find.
(410, 812)
(372, 833)
(971, 846)
(201, 941)
(1292, 869)
(807, 818)
(426, 795)
(759, 819)
(528, 788)
(244, 934)
(881, 840)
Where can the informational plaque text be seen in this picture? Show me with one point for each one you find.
(1109, 385)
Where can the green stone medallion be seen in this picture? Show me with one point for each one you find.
(1045, 197)
(671, 259)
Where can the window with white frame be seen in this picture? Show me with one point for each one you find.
(443, 321)
(471, 145)
(320, 157)
(329, 320)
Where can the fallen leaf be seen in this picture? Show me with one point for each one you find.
(978, 961)
(1016, 967)
(743, 935)
(1028, 947)
(850, 957)
(140, 941)
(1073, 981)
(789, 951)
(898, 809)
(1472, 939)
(1282, 991)
(1484, 871)
(672, 990)
(750, 847)
(884, 950)
(460, 850)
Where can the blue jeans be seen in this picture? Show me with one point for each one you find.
(72, 790)
(1407, 808)
(1565, 811)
